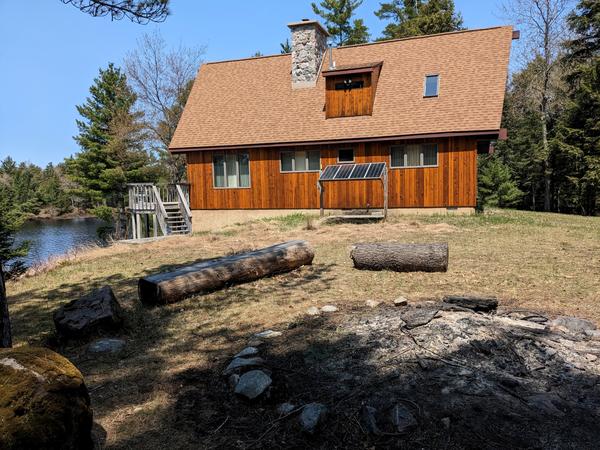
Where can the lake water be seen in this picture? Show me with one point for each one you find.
(56, 237)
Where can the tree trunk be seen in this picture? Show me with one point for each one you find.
(401, 257)
(5, 333)
(207, 276)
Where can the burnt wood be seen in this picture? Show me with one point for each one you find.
(206, 276)
(476, 303)
(400, 257)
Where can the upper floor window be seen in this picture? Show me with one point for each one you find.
(432, 85)
(346, 155)
(414, 155)
(301, 161)
(231, 170)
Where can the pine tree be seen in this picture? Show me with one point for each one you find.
(418, 17)
(337, 15)
(111, 140)
(496, 186)
(286, 47)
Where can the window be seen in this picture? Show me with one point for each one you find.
(349, 84)
(432, 85)
(301, 161)
(231, 170)
(346, 155)
(414, 155)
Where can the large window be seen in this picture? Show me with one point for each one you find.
(301, 161)
(231, 170)
(432, 85)
(414, 155)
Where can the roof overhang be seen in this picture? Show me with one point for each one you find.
(352, 69)
(485, 134)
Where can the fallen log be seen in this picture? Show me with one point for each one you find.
(207, 276)
(484, 304)
(401, 257)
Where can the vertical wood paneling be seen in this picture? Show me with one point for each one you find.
(452, 183)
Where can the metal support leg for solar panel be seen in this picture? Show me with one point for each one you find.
(384, 180)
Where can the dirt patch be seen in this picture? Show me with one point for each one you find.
(406, 377)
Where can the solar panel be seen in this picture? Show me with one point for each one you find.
(366, 171)
(375, 170)
(329, 172)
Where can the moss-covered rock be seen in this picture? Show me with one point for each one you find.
(43, 401)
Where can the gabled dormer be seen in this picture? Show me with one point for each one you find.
(350, 90)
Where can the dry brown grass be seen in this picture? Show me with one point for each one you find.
(543, 262)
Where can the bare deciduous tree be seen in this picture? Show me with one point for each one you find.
(162, 79)
(544, 29)
(138, 11)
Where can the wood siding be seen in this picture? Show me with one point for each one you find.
(453, 183)
(349, 102)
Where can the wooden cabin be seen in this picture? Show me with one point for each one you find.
(258, 132)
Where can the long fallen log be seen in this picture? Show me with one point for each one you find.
(207, 276)
(401, 257)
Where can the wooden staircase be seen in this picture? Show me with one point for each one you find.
(176, 223)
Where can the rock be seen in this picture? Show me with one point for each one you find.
(233, 380)
(99, 310)
(252, 384)
(446, 422)
(573, 324)
(255, 342)
(285, 408)
(372, 303)
(312, 416)
(545, 403)
(593, 334)
(403, 419)
(248, 351)
(476, 303)
(368, 417)
(267, 334)
(107, 345)
(242, 363)
(418, 317)
(400, 301)
(313, 311)
(43, 401)
(329, 309)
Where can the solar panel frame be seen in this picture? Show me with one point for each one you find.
(347, 172)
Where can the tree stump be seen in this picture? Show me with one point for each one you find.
(207, 276)
(401, 257)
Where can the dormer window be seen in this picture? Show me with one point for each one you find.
(350, 90)
(432, 86)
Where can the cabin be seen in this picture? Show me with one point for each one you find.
(303, 131)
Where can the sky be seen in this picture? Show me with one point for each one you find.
(50, 54)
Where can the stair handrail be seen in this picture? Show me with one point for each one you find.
(161, 212)
(184, 205)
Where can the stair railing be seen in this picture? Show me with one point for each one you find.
(160, 211)
(184, 206)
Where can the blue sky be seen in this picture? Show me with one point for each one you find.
(51, 52)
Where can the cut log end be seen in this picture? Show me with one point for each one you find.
(401, 257)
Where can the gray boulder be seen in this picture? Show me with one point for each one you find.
(285, 408)
(312, 416)
(248, 351)
(573, 324)
(96, 311)
(242, 363)
(252, 384)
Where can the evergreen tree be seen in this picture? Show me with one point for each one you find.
(418, 17)
(337, 15)
(111, 140)
(496, 186)
(577, 143)
(286, 47)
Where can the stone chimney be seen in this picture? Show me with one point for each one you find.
(309, 44)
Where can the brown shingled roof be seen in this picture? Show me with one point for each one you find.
(251, 102)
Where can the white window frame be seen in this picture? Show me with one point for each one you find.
(346, 162)
(294, 161)
(237, 170)
(421, 156)
(437, 94)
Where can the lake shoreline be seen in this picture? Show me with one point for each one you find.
(48, 215)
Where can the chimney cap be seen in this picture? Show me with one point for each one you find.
(305, 22)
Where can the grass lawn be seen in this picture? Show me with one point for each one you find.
(543, 262)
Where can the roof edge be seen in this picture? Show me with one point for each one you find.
(491, 133)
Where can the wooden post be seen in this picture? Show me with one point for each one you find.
(138, 220)
(5, 333)
(133, 225)
(155, 225)
(385, 193)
